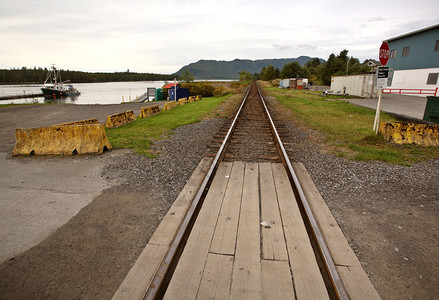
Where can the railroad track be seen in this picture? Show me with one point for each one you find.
(251, 137)
(211, 244)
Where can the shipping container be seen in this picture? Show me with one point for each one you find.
(355, 85)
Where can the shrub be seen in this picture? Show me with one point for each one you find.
(204, 89)
(219, 91)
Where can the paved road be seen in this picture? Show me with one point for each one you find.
(30, 116)
(40, 194)
(409, 106)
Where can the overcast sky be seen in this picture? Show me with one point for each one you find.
(161, 36)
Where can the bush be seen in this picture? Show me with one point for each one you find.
(204, 89)
(275, 82)
(219, 91)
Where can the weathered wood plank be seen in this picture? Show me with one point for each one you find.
(141, 274)
(357, 283)
(224, 238)
(273, 241)
(246, 277)
(217, 275)
(167, 229)
(139, 278)
(355, 279)
(340, 250)
(276, 280)
(187, 276)
(308, 280)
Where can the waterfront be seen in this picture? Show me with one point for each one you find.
(91, 93)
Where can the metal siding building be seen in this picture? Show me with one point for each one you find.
(415, 59)
(421, 53)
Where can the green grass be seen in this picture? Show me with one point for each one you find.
(140, 134)
(347, 130)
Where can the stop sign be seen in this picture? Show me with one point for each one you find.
(384, 53)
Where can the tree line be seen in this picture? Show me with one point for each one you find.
(38, 75)
(317, 71)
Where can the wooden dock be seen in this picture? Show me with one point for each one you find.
(22, 96)
(230, 255)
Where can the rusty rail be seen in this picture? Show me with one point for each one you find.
(161, 280)
(309, 216)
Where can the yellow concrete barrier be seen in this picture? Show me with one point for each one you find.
(198, 97)
(149, 111)
(191, 99)
(405, 133)
(120, 119)
(82, 122)
(61, 140)
(182, 101)
(170, 105)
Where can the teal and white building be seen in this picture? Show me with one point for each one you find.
(414, 57)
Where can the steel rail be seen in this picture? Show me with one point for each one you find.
(323, 248)
(160, 281)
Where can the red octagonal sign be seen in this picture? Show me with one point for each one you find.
(384, 53)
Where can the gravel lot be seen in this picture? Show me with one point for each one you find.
(388, 213)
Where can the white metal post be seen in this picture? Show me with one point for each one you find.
(175, 86)
(376, 124)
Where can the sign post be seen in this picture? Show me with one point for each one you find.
(175, 91)
(383, 74)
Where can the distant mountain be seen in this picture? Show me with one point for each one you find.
(214, 69)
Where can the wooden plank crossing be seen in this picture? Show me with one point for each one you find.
(230, 255)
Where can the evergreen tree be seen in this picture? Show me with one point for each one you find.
(291, 70)
(267, 73)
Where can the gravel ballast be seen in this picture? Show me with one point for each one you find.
(387, 212)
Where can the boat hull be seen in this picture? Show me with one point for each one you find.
(57, 93)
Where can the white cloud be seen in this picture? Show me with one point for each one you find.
(162, 36)
(282, 47)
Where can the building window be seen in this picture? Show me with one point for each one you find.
(436, 48)
(405, 51)
(432, 78)
(393, 53)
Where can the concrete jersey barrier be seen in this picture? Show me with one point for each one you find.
(61, 140)
(182, 101)
(120, 119)
(170, 105)
(149, 111)
(82, 122)
(404, 133)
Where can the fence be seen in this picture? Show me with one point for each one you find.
(433, 92)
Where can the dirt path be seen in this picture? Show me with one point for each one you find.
(86, 218)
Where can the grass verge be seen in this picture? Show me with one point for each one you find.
(140, 134)
(346, 130)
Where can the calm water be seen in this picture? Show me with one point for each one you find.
(91, 93)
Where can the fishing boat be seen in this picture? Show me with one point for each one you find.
(54, 87)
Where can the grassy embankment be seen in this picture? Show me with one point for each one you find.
(346, 130)
(140, 134)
